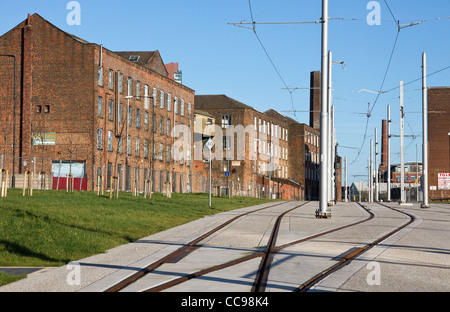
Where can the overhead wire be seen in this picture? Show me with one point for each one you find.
(270, 59)
(369, 112)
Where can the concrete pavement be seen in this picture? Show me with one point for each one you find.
(415, 259)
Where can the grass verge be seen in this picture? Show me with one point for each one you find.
(53, 228)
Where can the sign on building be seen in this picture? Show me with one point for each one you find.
(44, 138)
(443, 181)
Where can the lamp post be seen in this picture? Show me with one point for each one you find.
(13, 179)
(209, 144)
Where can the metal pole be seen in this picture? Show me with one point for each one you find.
(389, 154)
(330, 133)
(402, 160)
(333, 158)
(425, 203)
(210, 177)
(376, 165)
(371, 173)
(368, 180)
(323, 204)
(345, 179)
(417, 172)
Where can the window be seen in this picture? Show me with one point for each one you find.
(100, 107)
(110, 110)
(120, 113)
(120, 83)
(189, 110)
(168, 153)
(188, 157)
(100, 76)
(226, 121)
(182, 108)
(161, 125)
(169, 105)
(99, 138)
(146, 97)
(161, 100)
(111, 79)
(129, 116)
(146, 121)
(154, 123)
(138, 90)
(181, 156)
(168, 127)
(227, 142)
(47, 109)
(128, 145)
(154, 96)
(161, 151)
(256, 124)
(119, 145)
(39, 109)
(138, 147)
(138, 118)
(175, 105)
(134, 58)
(110, 141)
(145, 149)
(129, 86)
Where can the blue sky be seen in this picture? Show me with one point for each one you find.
(218, 58)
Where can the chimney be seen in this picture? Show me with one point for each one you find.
(315, 95)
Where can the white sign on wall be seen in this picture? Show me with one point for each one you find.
(444, 181)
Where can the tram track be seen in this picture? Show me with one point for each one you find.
(267, 254)
(180, 253)
(355, 253)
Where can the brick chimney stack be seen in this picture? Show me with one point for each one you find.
(315, 95)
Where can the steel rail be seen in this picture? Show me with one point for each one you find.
(179, 253)
(260, 275)
(354, 254)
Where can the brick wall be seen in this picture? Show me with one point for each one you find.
(58, 92)
(438, 138)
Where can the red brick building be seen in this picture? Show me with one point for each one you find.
(95, 111)
(251, 148)
(439, 142)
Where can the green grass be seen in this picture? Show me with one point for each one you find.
(53, 228)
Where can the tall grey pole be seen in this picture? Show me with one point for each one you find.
(402, 159)
(210, 160)
(376, 166)
(323, 203)
(368, 179)
(371, 173)
(330, 133)
(417, 172)
(389, 153)
(425, 203)
(346, 200)
(333, 157)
